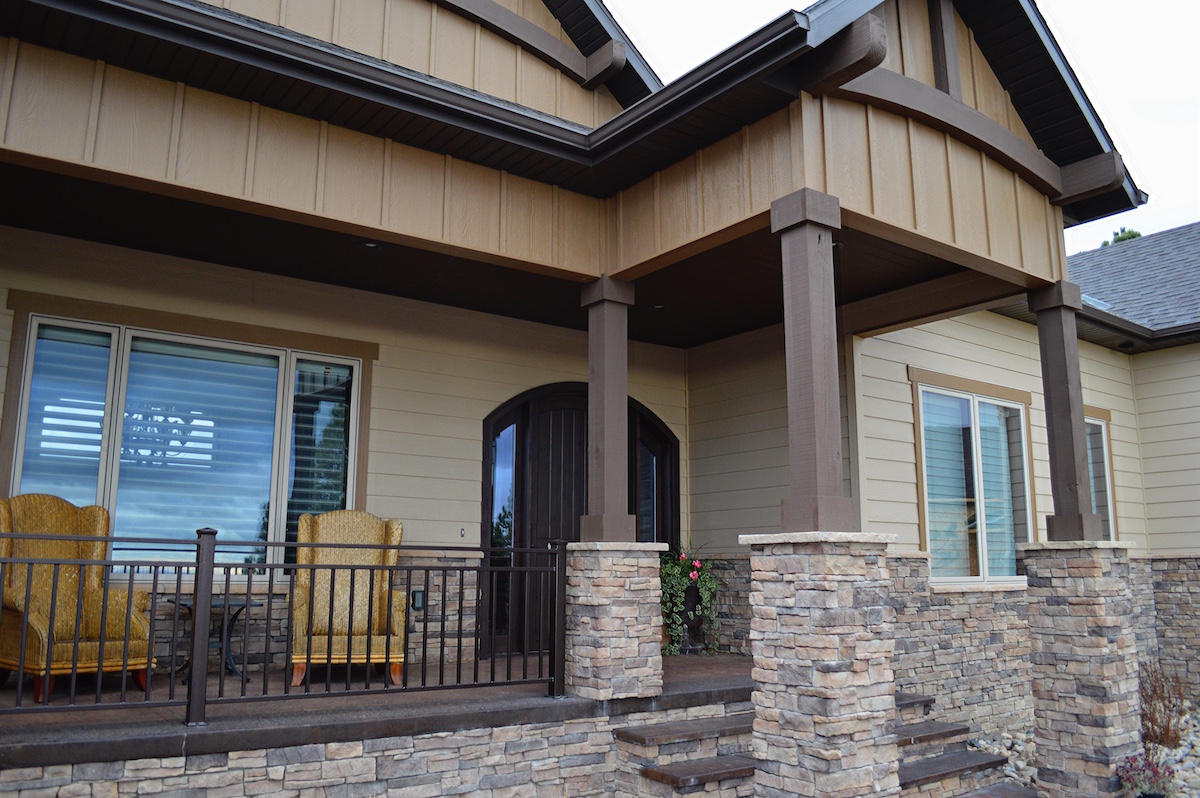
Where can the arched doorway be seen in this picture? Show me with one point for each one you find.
(535, 491)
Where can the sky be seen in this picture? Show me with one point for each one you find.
(1134, 61)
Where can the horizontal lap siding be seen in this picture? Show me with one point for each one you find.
(991, 349)
(440, 371)
(1168, 396)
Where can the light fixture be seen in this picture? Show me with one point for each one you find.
(370, 245)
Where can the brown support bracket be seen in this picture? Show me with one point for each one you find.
(1056, 306)
(858, 49)
(608, 519)
(805, 221)
(1091, 177)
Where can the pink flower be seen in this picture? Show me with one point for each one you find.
(694, 574)
(682, 557)
(695, 564)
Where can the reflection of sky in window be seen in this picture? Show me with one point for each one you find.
(163, 489)
(503, 461)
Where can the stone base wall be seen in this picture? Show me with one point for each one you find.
(573, 757)
(1141, 582)
(733, 603)
(968, 647)
(1177, 613)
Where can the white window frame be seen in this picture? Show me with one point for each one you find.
(973, 397)
(122, 336)
(1094, 419)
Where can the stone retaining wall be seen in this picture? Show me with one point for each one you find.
(967, 646)
(573, 757)
(733, 604)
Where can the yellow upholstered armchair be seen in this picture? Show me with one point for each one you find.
(343, 609)
(46, 613)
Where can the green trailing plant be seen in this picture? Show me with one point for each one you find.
(1147, 774)
(1163, 708)
(678, 572)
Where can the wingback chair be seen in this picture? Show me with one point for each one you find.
(54, 645)
(341, 611)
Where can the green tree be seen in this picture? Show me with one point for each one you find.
(1121, 235)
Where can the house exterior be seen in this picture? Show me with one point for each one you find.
(470, 265)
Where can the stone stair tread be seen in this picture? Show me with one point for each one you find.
(681, 730)
(697, 772)
(926, 730)
(1004, 790)
(924, 771)
(904, 700)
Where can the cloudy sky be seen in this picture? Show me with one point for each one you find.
(1133, 60)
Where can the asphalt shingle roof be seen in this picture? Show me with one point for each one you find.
(1153, 281)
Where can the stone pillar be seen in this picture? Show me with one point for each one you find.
(805, 221)
(608, 517)
(821, 635)
(1058, 342)
(614, 620)
(1086, 710)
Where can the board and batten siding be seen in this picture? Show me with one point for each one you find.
(114, 125)
(1168, 396)
(426, 38)
(440, 370)
(995, 350)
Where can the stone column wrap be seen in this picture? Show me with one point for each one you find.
(614, 620)
(821, 636)
(1087, 716)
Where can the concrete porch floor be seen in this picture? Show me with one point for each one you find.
(61, 736)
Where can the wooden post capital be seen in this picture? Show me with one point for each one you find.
(1062, 294)
(606, 289)
(806, 205)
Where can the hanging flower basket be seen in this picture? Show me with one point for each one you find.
(689, 603)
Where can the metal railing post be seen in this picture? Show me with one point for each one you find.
(558, 686)
(206, 550)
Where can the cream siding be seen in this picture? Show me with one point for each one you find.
(440, 371)
(421, 36)
(1168, 398)
(992, 349)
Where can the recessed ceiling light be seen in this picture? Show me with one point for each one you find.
(370, 245)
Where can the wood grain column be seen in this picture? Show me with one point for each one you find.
(1073, 519)
(608, 517)
(805, 222)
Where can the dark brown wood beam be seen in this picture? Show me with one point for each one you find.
(855, 51)
(1056, 306)
(945, 48)
(885, 89)
(805, 221)
(588, 72)
(608, 519)
(1091, 177)
(942, 298)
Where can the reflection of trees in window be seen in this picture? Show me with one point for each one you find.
(320, 440)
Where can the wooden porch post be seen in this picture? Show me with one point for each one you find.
(1055, 306)
(608, 517)
(805, 222)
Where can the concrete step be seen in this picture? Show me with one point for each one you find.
(958, 763)
(927, 731)
(683, 730)
(698, 772)
(914, 701)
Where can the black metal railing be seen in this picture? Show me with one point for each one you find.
(243, 622)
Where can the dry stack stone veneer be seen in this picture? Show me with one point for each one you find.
(614, 620)
(821, 635)
(1085, 688)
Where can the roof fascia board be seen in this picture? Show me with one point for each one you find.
(775, 44)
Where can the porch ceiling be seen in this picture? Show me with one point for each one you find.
(727, 290)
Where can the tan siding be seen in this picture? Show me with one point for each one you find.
(915, 39)
(1168, 399)
(285, 160)
(440, 370)
(994, 350)
(847, 155)
(891, 169)
(213, 142)
(408, 33)
(42, 74)
(353, 180)
(132, 135)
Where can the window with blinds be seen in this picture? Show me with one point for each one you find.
(1096, 431)
(976, 500)
(240, 438)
